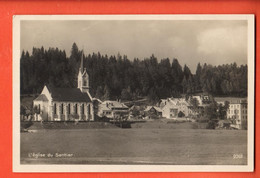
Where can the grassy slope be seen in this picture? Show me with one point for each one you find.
(137, 146)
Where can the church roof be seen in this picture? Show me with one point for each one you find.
(41, 97)
(69, 94)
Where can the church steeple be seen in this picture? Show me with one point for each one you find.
(83, 79)
(81, 63)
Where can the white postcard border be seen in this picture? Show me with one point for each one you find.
(17, 167)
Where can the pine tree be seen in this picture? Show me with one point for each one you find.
(107, 93)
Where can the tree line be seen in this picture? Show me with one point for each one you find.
(117, 77)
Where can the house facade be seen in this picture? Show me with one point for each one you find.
(172, 107)
(66, 104)
(113, 110)
(169, 111)
(237, 113)
(153, 111)
(202, 99)
(182, 107)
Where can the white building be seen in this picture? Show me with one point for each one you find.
(63, 104)
(202, 99)
(153, 111)
(171, 107)
(237, 113)
(113, 110)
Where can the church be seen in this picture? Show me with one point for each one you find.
(66, 104)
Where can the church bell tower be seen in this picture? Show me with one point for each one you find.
(83, 78)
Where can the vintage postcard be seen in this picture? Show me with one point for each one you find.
(133, 93)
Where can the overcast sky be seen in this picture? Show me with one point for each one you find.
(214, 42)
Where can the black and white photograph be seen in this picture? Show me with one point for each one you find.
(131, 93)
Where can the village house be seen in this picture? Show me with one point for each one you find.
(64, 104)
(113, 110)
(136, 111)
(225, 124)
(153, 111)
(196, 112)
(203, 101)
(174, 107)
(237, 113)
(223, 100)
(180, 107)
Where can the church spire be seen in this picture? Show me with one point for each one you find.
(81, 64)
(83, 78)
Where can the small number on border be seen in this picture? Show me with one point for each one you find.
(237, 156)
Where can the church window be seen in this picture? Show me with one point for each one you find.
(69, 108)
(61, 108)
(83, 109)
(89, 109)
(76, 108)
(55, 108)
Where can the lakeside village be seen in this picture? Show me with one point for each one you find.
(76, 105)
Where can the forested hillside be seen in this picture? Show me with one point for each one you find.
(116, 77)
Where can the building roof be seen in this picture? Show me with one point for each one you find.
(229, 99)
(103, 107)
(239, 101)
(114, 104)
(174, 102)
(41, 97)
(69, 94)
(96, 99)
(136, 107)
(156, 108)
